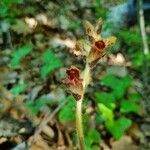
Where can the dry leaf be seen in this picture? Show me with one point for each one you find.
(125, 143)
(2, 140)
(40, 145)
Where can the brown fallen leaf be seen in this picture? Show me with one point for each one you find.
(136, 133)
(104, 146)
(125, 143)
(2, 140)
(40, 144)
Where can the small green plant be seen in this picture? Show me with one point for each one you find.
(19, 54)
(132, 41)
(115, 127)
(109, 102)
(130, 37)
(35, 106)
(50, 63)
(92, 139)
(67, 114)
(122, 84)
(16, 90)
(93, 50)
(99, 9)
(7, 8)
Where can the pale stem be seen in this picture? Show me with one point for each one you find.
(142, 27)
(80, 134)
(79, 124)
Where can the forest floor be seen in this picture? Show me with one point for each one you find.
(36, 48)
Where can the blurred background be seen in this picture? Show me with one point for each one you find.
(37, 39)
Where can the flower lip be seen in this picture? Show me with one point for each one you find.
(75, 82)
(73, 75)
(100, 45)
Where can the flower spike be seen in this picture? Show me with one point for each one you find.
(93, 51)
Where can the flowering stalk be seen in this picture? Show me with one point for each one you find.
(86, 80)
(78, 82)
(79, 127)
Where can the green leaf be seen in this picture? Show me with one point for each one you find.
(134, 97)
(107, 114)
(95, 147)
(119, 127)
(35, 106)
(3, 10)
(20, 54)
(17, 1)
(67, 113)
(16, 90)
(92, 137)
(115, 127)
(107, 99)
(137, 60)
(51, 62)
(118, 85)
(127, 106)
(130, 37)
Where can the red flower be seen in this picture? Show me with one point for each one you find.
(96, 52)
(75, 82)
(98, 44)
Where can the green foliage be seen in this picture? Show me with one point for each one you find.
(20, 54)
(118, 85)
(115, 127)
(6, 8)
(67, 114)
(137, 59)
(107, 114)
(119, 127)
(35, 106)
(127, 106)
(130, 37)
(99, 9)
(16, 90)
(108, 104)
(107, 99)
(134, 97)
(51, 62)
(91, 139)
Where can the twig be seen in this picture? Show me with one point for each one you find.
(47, 118)
(146, 52)
(142, 27)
